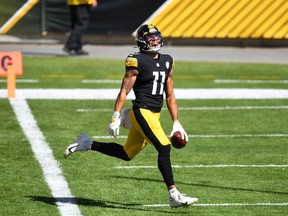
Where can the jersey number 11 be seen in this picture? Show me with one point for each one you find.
(158, 76)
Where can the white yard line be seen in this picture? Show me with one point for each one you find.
(210, 166)
(21, 81)
(58, 185)
(232, 108)
(111, 94)
(101, 81)
(210, 136)
(198, 108)
(95, 110)
(222, 204)
(251, 81)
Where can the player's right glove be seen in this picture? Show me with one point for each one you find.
(114, 126)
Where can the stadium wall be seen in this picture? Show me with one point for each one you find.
(182, 22)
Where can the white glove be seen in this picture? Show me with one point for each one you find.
(114, 126)
(178, 127)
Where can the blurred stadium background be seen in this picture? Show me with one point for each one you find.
(182, 22)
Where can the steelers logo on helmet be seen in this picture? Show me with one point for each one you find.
(149, 38)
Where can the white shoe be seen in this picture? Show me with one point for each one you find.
(177, 199)
(83, 143)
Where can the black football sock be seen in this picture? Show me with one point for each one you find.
(164, 164)
(111, 149)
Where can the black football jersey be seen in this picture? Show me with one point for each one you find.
(151, 81)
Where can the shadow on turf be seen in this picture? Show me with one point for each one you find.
(202, 185)
(101, 203)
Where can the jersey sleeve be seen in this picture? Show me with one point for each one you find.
(171, 60)
(131, 61)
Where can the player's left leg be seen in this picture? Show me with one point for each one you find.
(134, 144)
(82, 143)
(151, 127)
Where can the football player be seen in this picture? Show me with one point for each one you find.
(149, 74)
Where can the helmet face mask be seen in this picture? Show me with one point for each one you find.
(154, 41)
(149, 38)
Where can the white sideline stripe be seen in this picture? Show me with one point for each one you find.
(251, 81)
(111, 94)
(210, 166)
(44, 155)
(21, 81)
(209, 136)
(222, 204)
(101, 81)
(198, 108)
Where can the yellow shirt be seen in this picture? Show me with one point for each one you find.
(79, 2)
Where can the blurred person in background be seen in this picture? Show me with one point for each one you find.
(80, 11)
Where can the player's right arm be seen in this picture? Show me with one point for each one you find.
(127, 84)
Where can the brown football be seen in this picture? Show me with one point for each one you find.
(177, 141)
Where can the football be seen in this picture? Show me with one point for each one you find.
(177, 141)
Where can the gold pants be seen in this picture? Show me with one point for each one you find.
(146, 128)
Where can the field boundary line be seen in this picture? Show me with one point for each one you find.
(44, 155)
(221, 204)
(111, 94)
(210, 166)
